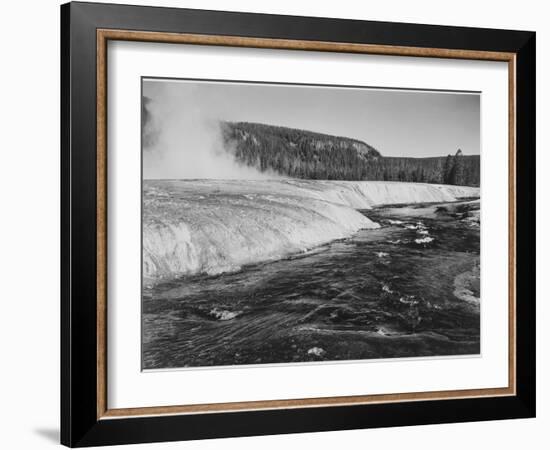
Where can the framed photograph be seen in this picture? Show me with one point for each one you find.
(277, 224)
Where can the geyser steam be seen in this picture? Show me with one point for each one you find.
(182, 135)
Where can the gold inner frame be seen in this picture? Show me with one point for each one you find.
(104, 35)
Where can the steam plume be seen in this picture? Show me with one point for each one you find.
(182, 136)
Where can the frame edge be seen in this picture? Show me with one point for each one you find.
(81, 431)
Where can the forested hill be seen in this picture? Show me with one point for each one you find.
(298, 153)
(306, 154)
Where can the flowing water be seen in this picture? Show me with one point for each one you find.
(407, 289)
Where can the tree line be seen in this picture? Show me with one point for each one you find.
(309, 155)
(458, 169)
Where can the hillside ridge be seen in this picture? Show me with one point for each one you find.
(312, 155)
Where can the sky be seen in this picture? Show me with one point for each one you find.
(395, 122)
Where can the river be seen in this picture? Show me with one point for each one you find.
(407, 289)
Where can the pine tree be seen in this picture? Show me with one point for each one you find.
(458, 168)
(447, 170)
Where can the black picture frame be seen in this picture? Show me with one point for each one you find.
(80, 425)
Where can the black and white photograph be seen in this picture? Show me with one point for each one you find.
(288, 223)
